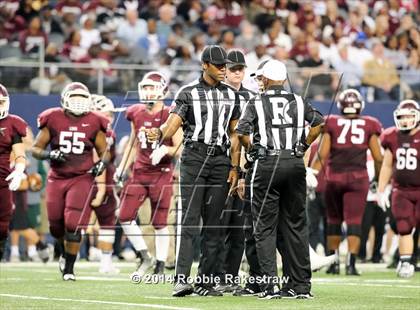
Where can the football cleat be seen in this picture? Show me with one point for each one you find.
(182, 289)
(69, 277)
(334, 268)
(61, 263)
(352, 271)
(405, 270)
(144, 266)
(318, 261)
(44, 253)
(206, 291)
(109, 269)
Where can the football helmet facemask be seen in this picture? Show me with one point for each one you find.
(76, 98)
(4, 102)
(153, 87)
(350, 101)
(407, 115)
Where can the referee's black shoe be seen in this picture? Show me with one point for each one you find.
(272, 292)
(206, 290)
(182, 289)
(334, 268)
(289, 293)
(352, 271)
(248, 290)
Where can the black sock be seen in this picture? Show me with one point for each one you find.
(351, 259)
(70, 259)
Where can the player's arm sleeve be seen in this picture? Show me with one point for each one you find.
(312, 116)
(129, 113)
(20, 129)
(376, 128)
(42, 120)
(180, 105)
(385, 140)
(247, 120)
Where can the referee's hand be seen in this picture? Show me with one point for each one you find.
(233, 181)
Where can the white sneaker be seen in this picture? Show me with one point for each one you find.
(69, 277)
(109, 269)
(405, 270)
(61, 263)
(318, 261)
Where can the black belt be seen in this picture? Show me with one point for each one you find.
(210, 150)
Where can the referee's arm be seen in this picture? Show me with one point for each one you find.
(245, 125)
(315, 120)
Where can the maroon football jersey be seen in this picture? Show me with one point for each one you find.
(350, 141)
(405, 150)
(141, 117)
(11, 128)
(111, 137)
(75, 137)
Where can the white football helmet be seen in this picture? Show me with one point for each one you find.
(159, 90)
(407, 115)
(76, 98)
(5, 99)
(102, 103)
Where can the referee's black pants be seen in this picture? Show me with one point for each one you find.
(204, 188)
(278, 195)
(232, 242)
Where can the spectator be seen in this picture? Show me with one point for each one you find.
(318, 81)
(166, 16)
(132, 29)
(256, 57)
(72, 48)
(30, 39)
(49, 22)
(381, 74)
(276, 36)
(26, 10)
(292, 29)
(353, 26)
(351, 74)
(382, 28)
(228, 40)
(247, 37)
(199, 42)
(300, 49)
(88, 34)
(411, 74)
(358, 53)
(152, 42)
(327, 48)
(184, 58)
(392, 53)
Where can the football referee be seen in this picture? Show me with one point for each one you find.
(208, 110)
(277, 120)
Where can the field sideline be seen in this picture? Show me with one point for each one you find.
(38, 286)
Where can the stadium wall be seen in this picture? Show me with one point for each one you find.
(28, 106)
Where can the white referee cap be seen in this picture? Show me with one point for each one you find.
(275, 70)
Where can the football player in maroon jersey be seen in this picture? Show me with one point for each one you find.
(152, 172)
(344, 143)
(402, 164)
(72, 132)
(12, 129)
(105, 212)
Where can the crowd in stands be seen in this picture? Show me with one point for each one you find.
(376, 44)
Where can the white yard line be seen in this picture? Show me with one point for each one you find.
(91, 301)
(365, 284)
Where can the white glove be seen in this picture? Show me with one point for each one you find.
(311, 181)
(158, 154)
(16, 176)
(383, 198)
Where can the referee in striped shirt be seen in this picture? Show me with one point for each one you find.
(208, 111)
(277, 120)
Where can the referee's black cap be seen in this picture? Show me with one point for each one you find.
(237, 58)
(215, 54)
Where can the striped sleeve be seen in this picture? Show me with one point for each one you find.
(180, 105)
(247, 120)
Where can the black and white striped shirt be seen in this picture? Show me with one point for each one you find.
(277, 119)
(206, 111)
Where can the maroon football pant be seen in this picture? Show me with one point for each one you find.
(406, 209)
(6, 207)
(156, 186)
(345, 199)
(68, 203)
